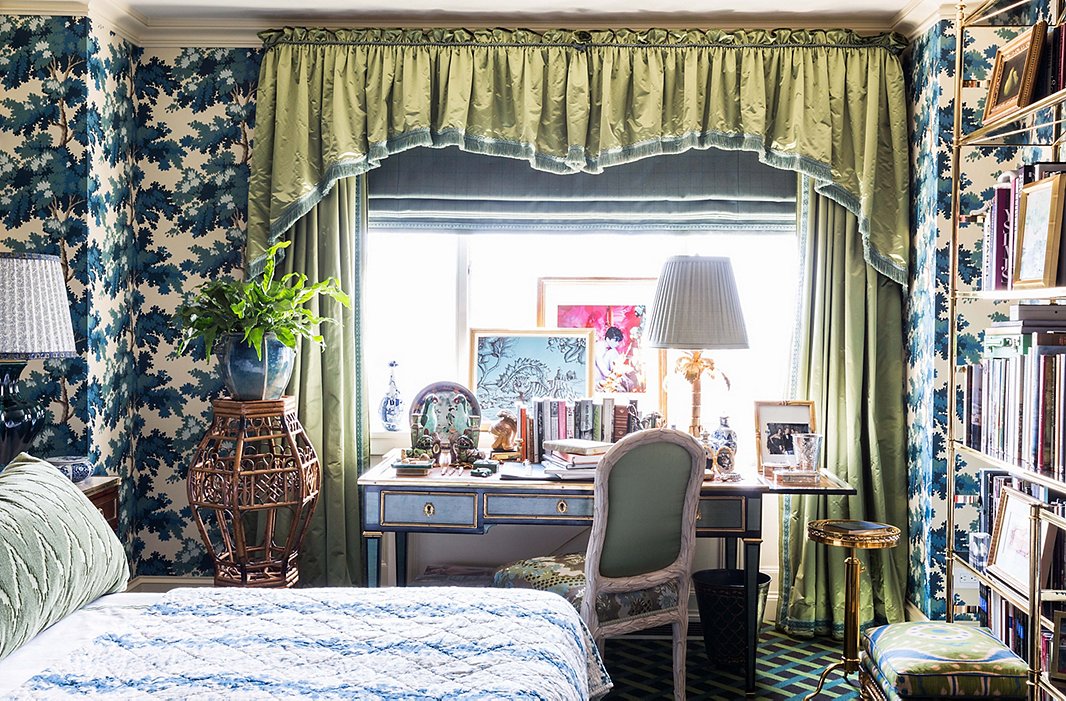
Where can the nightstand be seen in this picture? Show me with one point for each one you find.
(103, 493)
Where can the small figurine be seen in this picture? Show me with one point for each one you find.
(504, 432)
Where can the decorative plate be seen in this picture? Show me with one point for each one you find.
(455, 409)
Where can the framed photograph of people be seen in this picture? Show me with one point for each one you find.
(512, 366)
(1009, 555)
(1057, 668)
(1014, 73)
(775, 424)
(1036, 253)
(616, 310)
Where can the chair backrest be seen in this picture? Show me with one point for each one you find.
(647, 492)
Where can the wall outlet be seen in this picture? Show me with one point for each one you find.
(966, 584)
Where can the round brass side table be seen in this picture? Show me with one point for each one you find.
(850, 534)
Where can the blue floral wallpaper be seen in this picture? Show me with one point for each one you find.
(132, 166)
(195, 112)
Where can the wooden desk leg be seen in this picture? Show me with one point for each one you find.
(751, 591)
(401, 559)
(373, 560)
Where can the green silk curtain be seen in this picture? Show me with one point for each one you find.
(830, 104)
(850, 363)
(329, 384)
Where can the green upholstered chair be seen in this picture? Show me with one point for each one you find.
(636, 572)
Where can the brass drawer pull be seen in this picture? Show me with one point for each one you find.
(561, 506)
(429, 509)
(699, 515)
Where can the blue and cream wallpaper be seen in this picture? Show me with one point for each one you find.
(133, 167)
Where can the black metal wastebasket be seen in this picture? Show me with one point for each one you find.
(720, 597)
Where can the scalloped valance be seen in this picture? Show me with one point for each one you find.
(827, 103)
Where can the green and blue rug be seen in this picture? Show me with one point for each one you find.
(787, 669)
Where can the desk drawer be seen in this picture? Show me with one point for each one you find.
(723, 513)
(450, 510)
(538, 507)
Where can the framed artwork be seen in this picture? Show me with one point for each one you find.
(1014, 73)
(508, 367)
(616, 310)
(1036, 255)
(1057, 669)
(775, 422)
(1009, 555)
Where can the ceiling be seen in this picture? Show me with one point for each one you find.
(179, 23)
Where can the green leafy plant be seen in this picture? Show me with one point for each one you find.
(255, 308)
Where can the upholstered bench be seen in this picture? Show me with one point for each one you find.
(932, 660)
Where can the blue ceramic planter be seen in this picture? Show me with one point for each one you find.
(246, 376)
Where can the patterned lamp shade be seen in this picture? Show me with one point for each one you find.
(34, 311)
(696, 306)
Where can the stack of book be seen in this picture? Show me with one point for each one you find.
(547, 419)
(573, 458)
(1015, 397)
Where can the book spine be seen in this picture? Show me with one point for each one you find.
(597, 422)
(1001, 228)
(608, 420)
(570, 423)
(523, 433)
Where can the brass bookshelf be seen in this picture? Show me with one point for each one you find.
(1019, 129)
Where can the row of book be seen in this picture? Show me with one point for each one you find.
(547, 419)
(1001, 218)
(1015, 398)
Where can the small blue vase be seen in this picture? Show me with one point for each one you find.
(249, 378)
(724, 436)
(391, 409)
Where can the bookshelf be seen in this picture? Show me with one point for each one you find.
(1040, 123)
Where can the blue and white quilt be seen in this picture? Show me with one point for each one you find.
(419, 643)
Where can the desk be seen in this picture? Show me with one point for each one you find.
(472, 505)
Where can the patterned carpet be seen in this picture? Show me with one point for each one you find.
(787, 669)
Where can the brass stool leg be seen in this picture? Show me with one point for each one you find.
(849, 661)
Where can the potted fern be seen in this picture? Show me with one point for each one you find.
(252, 326)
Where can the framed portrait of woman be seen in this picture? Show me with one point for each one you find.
(615, 310)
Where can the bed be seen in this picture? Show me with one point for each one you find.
(66, 634)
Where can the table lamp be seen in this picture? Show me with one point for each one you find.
(34, 323)
(696, 308)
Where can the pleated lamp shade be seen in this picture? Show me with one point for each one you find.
(696, 306)
(34, 311)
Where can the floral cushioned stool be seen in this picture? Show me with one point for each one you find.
(565, 575)
(933, 660)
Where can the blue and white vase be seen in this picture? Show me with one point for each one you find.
(724, 436)
(75, 467)
(391, 410)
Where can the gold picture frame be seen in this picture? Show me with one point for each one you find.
(508, 366)
(771, 417)
(1014, 73)
(1039, 233)
(1009, 554)
(602, 303)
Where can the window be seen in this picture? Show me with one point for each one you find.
(426, 290)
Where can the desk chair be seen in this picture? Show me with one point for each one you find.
(636, 572)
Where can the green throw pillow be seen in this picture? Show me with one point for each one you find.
(57, 553)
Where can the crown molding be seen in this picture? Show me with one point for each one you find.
(243, 32)
(917, 17)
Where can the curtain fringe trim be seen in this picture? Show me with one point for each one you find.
(577, 160)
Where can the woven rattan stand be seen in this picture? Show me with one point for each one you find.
(253, 485)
